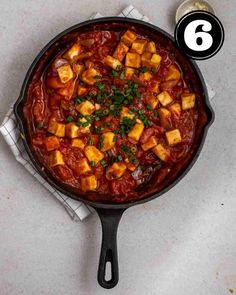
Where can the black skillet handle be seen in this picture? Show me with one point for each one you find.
(110, 220)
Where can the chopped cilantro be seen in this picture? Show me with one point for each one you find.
(127, 124)
(144, 69)
(79, 99)
(113, 73)
(105, 112)
(92, 163)
(89, 141)
(101, 142)
(122, 75)
(85, 124)
(103, 163)
(40, 125)
(149, 107)
(69, 119)
(119, 158)
(97, 77)
(99, 85)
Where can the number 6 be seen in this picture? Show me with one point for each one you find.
(198, 41)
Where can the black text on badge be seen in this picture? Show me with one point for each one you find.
(199, 34)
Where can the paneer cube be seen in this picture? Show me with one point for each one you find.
(146, 58)
(51, 143)
(151, 47)
(72, 130)
(82, 167)
(155, 60)
(108, 141)
(133, 60)
(139, 46)
(112, 62)
(175, 109)
(145, 76)
(188, 101)
(164, 98)
(161, 152)
(173, 137)
(81, 90)
(93, 154)
(79, 143)
(88, 183)
(173, 73)
(128, 38)
(88, 76)
(73, 52)
(136, 132)
(125, 112)
(152, 101)
(56, 158)
(152, 141)
(65, 73)
(84, 129)
(129, 72)
(56, 128)
(120, 51)
(165, 118)
(85, 108)
(116, 170)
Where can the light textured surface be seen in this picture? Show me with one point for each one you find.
(182, 243)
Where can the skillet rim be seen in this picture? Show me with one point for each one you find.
(19, 115)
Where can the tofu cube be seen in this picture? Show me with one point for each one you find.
(165, 118)
(82, 167)
(173, 73)
(120, 51)
(129, 72)
(93, 154)
(81, 90)
(88, 76)
(78, 69)
(152, 100)
(175, 109)
(188, 101)
(65, 73)
(133, 60)
(155, 60)
(56, 158)
(139, 46)
(136, 132)
(161, 152)
(116, 170)
(125, 112)
(108, 141)
(84, 129)
(128, 38)
(73, 52)
(85, 108)
(173, 137)
(164, 98)
(72, 130)
(79, 143)
(51, 143)
(112, 62)
(57, 129)
(145, 76)
(146, 58)
(151, 47)
(150, 143)
(88, 183)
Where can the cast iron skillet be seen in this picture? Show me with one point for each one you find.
(110, 213)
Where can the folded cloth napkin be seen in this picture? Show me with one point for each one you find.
(11, 134)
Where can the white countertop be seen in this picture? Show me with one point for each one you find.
(181, 243)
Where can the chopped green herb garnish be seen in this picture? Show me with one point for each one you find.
(144, 69)
(101, 142)
(97, 118)
(90, 94)
(149, 107)
(99, 85)
(119, 158)
(113, 87)
(79, 99)
(97, 77)
(89, 118)
(141, 112)
(127, 124)
(105, 112)
(113, 73)
(133, 149)
(85, 124)
(126, 102)
(79, 123)
(117, 67)
(114, 139)
(69, 119)
(89, 141)
(122, 75)
(116, 131)
(156, 114)
(92, 163)
(103, 163)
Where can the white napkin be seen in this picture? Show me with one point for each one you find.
(11, 134)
